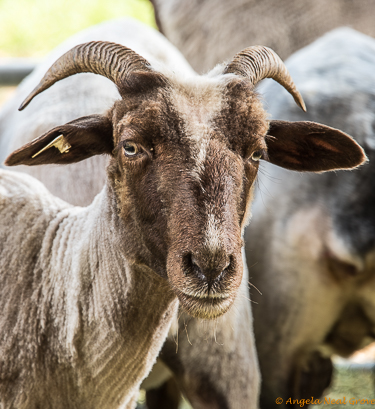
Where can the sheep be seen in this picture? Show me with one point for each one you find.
(207, 31)
(183, 156)
(311, 241)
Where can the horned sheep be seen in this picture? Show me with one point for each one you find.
(89, 293)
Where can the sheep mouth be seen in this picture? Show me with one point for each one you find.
(204, 295)
(206, 306)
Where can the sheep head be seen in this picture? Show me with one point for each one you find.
(184, 155)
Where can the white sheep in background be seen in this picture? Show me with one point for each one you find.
(89, 293)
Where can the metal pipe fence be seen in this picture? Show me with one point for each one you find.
(13, 71)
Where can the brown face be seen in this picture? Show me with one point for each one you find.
(185, 160)
(184, 157)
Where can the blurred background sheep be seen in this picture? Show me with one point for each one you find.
(210, 31)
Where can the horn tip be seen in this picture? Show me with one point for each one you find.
(23, 105)
(26, 101)
(301, 103)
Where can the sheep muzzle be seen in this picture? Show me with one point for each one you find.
(205, 282)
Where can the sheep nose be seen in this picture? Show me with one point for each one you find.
(208, 269)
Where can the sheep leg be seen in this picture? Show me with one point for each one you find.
(312, 378)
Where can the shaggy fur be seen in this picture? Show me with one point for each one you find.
(71, 337)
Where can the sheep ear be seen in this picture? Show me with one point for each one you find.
(69, 143)
(311, 147)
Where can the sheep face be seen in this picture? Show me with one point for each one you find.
(184, 157)
(184, 161)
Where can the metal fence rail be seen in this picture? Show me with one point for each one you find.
(13, 71)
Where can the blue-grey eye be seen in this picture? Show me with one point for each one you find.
(256, 156)
(130, 148)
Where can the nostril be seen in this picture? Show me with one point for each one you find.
(207, 269)
(198, 271)
(228, 263)
(224, 268)
(195, 263)
(191, 266)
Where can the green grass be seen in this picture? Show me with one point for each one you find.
(353, 384)
(34, 27)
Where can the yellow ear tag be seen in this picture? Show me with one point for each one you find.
(60, 143)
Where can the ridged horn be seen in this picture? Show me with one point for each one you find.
(259, 62)
(99, 57)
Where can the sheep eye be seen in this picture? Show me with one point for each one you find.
(130, 149)
(256, 156)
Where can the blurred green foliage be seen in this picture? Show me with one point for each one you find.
(33, 27)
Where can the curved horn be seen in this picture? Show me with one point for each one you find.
(99, 57)
(257, 63)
